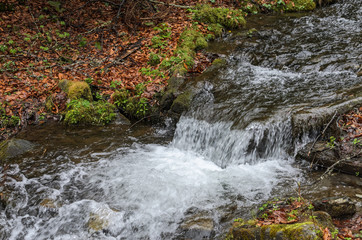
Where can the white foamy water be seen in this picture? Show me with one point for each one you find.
(142, 193)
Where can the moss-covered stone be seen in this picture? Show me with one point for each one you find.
(134, 107)
(182, 102)
(83, 112)
(219, 62)
(300, 5)
(228, 18)
(76, 89)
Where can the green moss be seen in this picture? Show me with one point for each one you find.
(83, 112)
(78, 90)
(201, 43)
(216, 28)
(134, 107)
(300, 5)
(49, 104)
(154, 59)
(218, 62)
(182, 102)
(302, 231)
(228, 18)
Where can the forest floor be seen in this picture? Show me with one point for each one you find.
(108, 44)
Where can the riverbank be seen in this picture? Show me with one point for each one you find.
(112, 49)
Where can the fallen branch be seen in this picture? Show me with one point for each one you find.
(330, 168)
(320, 135)
(170, 4)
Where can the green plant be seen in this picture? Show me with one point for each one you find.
(3, 48)
(115, 84)
(331, 143)
(334, 233)
(356, 141)
(9, 65)
(154, 59)
(154, 73)
(89, 80)
(57, 6)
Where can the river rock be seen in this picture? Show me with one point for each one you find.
(198, 226)
(342, 207)
(14, 147)
(311, 120)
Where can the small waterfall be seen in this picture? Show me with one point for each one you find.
(226, 146)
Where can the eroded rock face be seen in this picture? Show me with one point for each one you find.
(336, 207)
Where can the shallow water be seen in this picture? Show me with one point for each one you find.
(231, 148)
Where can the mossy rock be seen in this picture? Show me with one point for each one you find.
(306, 229)
(296, 231)
(228, 18)
(219, 62)
(182, 102)
(76, 89)
(83, 112)
(300, 5)
(134, 107)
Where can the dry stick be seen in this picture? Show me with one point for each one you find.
(330, 169)
(315, 141)
(170, 4)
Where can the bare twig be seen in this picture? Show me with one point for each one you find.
(170, 4)
(322, 133)
(330, 168)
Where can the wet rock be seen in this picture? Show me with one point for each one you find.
(324, 156)
(197, 226)
(308, 121)
(14, 147)
(182, 102)
(336, 207)
(97, 222)
(49, 203)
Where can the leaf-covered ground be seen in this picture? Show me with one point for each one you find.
(43, 42)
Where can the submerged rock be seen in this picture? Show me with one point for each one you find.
(14, 147)
(97, 222)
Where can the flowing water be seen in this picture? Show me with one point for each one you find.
(233, 148)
